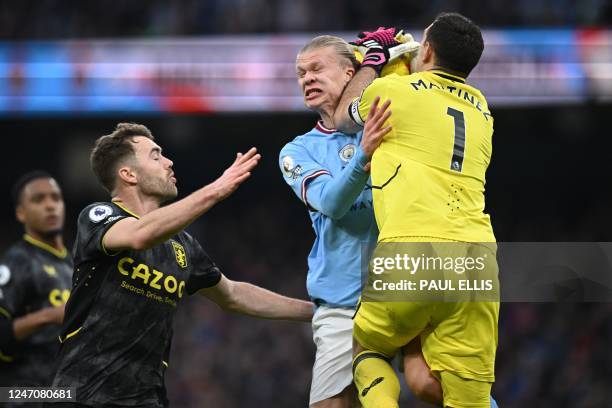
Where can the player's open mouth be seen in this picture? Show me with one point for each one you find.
(52, 219)
(313, 93)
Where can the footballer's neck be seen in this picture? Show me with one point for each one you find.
(53, 238)
(135, 203)
(448, 71)
(327, 115)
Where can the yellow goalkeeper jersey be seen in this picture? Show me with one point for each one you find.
(428, 175)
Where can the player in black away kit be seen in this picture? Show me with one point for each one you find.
(35, 276)
(133, 265)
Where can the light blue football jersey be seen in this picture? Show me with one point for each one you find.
(324, 168)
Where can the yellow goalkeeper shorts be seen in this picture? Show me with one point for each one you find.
(459, 337)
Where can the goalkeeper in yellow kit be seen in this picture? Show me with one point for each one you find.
(428, 179)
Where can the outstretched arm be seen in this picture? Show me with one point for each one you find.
(251, 300)
(163, 223)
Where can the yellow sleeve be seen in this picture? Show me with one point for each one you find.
(359, 108)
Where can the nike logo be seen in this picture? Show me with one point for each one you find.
(374, 383)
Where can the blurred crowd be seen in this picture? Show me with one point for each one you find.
(40, 19)
(554, 355)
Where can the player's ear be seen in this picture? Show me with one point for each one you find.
(127, 175)
(20, 214)
(428, 53)
(349, 72)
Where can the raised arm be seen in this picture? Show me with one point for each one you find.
(377, 45)
(163, 223)
(378, 49)
(342, 118)
(251, 300)
(334, 196)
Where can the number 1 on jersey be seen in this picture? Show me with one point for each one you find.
(459, 144)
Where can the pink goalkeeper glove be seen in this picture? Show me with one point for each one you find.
(377, 43)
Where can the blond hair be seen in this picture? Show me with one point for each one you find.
(341, 48)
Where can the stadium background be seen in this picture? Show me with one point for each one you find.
(549, 181)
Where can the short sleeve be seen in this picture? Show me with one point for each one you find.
(299, 168)
(15, 283)
(359, 108)
(7, 337)
(204, 273)
(94, 221)
(15, 293)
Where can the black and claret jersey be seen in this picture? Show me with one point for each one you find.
(118, 324)
(33, 276)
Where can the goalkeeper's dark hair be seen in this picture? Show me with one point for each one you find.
(111, 151)
(457, 42)
(343, 49)
(23, 181)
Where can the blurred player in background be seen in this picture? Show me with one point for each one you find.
(35, 279)
(133, 264)
(429, 175)
(329, 170)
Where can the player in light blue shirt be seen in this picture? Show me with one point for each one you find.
(329, 172)
(325, 169)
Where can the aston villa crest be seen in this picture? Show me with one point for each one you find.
(180, 255)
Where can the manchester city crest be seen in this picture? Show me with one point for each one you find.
(347, 152)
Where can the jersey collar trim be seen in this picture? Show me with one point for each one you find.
(448, 76)
(60, 253)
(5, 313)
(321, 128)
(69, 335)
(120, 205)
